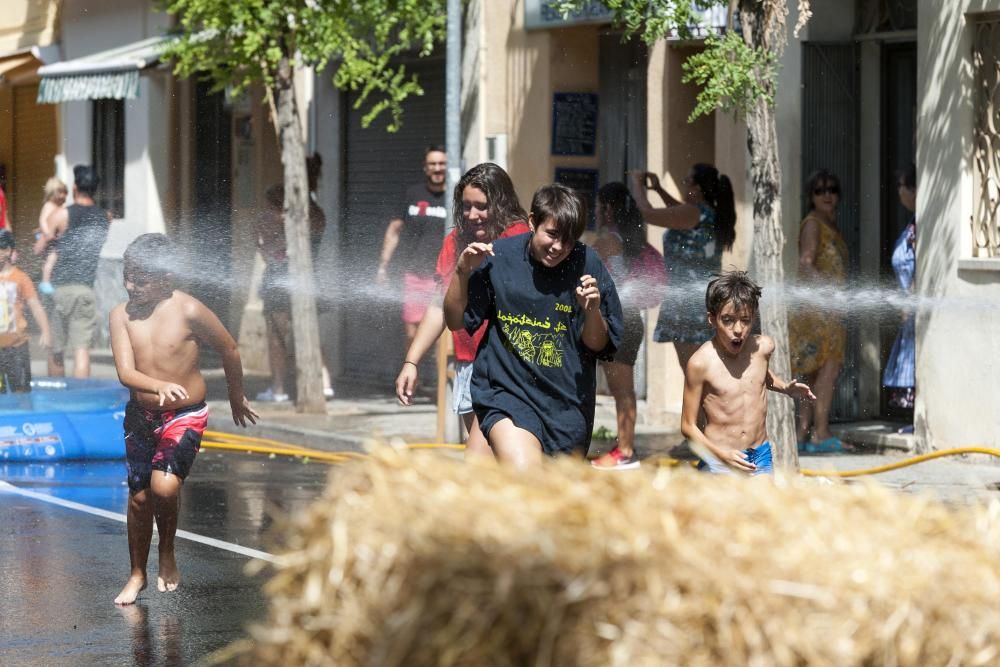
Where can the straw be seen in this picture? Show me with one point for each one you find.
(420, 560)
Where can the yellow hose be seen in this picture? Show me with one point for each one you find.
(901, 464)
(245, 443)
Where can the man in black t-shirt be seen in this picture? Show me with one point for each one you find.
(79, 231)
(414, 237)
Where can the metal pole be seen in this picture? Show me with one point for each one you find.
(453, 103)
(449, 428)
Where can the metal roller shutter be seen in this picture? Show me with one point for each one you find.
(377, 168)
(830, 140)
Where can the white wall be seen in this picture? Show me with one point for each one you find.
(958, 368)
(91, 26)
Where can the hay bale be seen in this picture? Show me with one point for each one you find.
(419, 560)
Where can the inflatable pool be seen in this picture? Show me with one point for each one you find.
(63, 419)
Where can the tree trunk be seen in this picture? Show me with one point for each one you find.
(305, 324)
(768, 245)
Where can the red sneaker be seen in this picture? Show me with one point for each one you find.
(616, 459)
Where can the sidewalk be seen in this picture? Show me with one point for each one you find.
(358, 414)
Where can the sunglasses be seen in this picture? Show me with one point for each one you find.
(830, 190)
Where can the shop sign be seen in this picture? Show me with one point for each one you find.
(543, 14)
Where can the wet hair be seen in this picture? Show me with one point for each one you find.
(908, 176)
(85, 179)
(501, 200)
(818, 178)
(717, 190)
(734, 287)
(153, 253)
(563, 206)
(434, 148)
(54, 186)
(626, 216)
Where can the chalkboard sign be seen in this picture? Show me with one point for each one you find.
(574, 123)
(584, 181)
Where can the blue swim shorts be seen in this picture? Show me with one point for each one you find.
(760, 456)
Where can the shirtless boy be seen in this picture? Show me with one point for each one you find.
(155, 338)
(728, 377)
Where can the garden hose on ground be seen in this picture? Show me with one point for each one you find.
(245, 443)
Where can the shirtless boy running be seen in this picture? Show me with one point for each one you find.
(728, 377)
(155, 338)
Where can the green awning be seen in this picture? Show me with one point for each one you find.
(112, 74)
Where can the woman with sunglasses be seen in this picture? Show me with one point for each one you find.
(817, 334)
(698, 229)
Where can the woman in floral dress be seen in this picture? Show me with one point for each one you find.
(816, 333)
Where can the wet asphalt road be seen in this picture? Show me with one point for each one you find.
(60, 568)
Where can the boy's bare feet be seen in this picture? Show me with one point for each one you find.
(169, 578)
(133, 586)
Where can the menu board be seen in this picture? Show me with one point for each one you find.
(574, 123)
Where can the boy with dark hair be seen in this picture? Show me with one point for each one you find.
(155, 338)
(728, 378)
(16, 289)
(553, 312)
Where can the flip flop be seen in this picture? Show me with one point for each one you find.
(831, 445)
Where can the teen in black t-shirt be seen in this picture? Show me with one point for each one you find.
(553, 311)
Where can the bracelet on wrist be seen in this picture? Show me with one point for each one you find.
(407, 361)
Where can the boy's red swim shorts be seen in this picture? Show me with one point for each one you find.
(165, 440)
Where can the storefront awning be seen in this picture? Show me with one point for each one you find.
(112, 74)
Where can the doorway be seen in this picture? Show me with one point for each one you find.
(899, 122)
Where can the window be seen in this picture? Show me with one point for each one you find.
(986, 136)
(109, 155)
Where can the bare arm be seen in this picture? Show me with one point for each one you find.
(792, 387)
(57, 222)
(389, 243)
(43, 321)
(207, 327)
(676, 215)
(808, 242)
(455, 300)
(457, 297)
(121, 348)
(694, 387)
(431, 327)
(595, 328)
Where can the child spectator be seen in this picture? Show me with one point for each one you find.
(55, 198)
(16, 290)
(553, 311)
(485, 208)
(156, 337)
(728, 377)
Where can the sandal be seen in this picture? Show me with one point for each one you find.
(616, 459)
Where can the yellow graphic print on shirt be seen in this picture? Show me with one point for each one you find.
(8, 307)
(542, 348)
